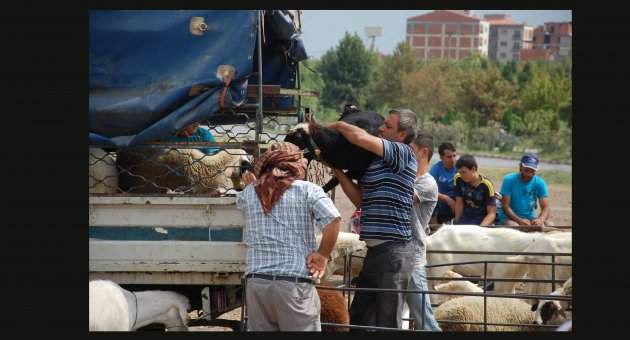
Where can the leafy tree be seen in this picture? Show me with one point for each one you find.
(483, 95)
(347, 71)
(428, 91)
(387, 89)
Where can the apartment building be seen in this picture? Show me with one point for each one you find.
(507, 39)
(555, 38)
(447, 34)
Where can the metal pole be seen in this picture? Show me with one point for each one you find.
(259, 109)
(299, 87)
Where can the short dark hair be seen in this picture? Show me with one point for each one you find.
(466, 160)
(446, 146)
(424, 140)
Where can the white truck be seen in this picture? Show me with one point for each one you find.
(169, 238)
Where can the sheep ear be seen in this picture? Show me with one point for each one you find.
(534, 307)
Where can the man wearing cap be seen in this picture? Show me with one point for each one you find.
(281, 211)
(520, 192)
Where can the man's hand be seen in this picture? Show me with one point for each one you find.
(537, 221)
(522, 221)
(248, 177)
(316, 264)
(451, 203)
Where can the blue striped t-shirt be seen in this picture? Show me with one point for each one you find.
(388, 194)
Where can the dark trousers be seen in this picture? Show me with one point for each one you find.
(387, 265)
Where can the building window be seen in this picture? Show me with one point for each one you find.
(516, 46)
(504, 32)
(503, 43)
(517, 34)
(515, 57)
(502, 55)
(493, 32)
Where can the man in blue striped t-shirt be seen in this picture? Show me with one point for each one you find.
(385, 196)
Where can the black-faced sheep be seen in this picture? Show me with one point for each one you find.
(181, 170)
(113, 308)
(334, 308)
(470, 309)
(330, 145)
(552, 311)
(103, 175)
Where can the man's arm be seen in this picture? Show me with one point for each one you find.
(459, 207)
(359, 137)
(352, 190)
(490, 216)
(545, 210)
(505, 204)
(448, 200)
(316, 261)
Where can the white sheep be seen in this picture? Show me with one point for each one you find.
(103, 174)
(456, 286)
(549, 243)
(345, 240)
(470, 309)
(475, 239)
(113, 308)
(181, 170)
(552, 311)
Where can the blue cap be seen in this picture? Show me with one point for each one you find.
(530, 160)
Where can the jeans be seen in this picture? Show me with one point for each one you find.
(386, 265)
(418, 281)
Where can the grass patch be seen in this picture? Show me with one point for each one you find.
(496, 174)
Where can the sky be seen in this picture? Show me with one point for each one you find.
(323, 29)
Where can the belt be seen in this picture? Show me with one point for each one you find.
(279, 277)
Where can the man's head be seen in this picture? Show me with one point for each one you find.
(399, 126)
(448, 155)
(283, 159)
(467, 168)
(189, 130)
(422, 146)
(528, 166)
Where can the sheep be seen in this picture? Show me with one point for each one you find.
(456, 286)
(334, 308)
(113, 308)
(470, 309)
(103, 175)
(177, 170)
(330, 145)
(552, 311)
(549, 243)
(475, 238)
(344, 240)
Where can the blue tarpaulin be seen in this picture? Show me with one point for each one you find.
(144, 67)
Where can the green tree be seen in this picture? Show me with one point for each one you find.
(387, 89)
(347, 71)
(428, 91)
(482, 94)
(311, 80)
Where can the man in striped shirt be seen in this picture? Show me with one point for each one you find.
(385, 196)
(281, 211)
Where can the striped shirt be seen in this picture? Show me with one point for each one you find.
(388, 194)
(278, 243)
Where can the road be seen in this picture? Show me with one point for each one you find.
(511, 163)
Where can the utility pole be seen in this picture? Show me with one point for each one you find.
(448, 50)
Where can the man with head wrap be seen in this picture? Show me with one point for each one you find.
(281, 211)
